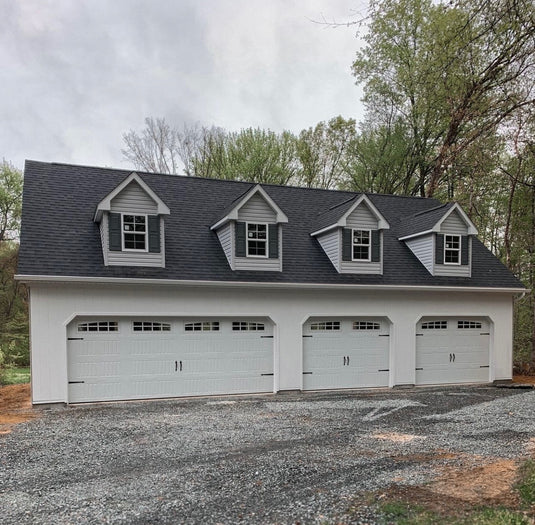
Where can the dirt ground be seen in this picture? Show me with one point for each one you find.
(15, 406)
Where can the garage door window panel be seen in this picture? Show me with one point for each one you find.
(98, 326)
(325, 326)
(247, 326)
(435, 325)
(469, 325)
(366, 325)
(202, 326)
(150, 326)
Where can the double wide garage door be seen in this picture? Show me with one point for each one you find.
(115, 359)
(345, 353)
(452, 350)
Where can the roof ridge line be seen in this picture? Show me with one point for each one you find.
(430, 209)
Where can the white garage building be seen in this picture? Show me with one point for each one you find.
(153, 286)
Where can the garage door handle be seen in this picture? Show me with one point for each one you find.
(344, 360)
(450, 358)
(307, 373)
(454, 358)
(176, 366)
(347, 360)
(75, 382)
(266, 374)
(181, 366)
(75, 338)
(266, 337)
(419, 369)
(484, 366)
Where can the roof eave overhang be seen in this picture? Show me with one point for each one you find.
(28, 279)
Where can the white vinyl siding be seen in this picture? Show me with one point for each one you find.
(454, 225)
(362, 219)
(330, 242)
(134, 200)
(256, 209)
(423, 248)
(454, 270)
(225, 236)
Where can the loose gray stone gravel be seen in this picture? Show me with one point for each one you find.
(287, 458)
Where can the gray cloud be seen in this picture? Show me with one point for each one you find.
(78, 74)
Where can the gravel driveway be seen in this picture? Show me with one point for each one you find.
(287, 458)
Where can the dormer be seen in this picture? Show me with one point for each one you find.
(131, 221)
(250, 232)
(351, 235)
(441, 239)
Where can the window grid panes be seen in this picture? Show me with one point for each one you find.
(257, 239)
(366, 325)
(202, 326)
(99, 326)
(435, 325)
(244, 326)
(452, 249)
(150, 326)
(134, 232)
(469, 325)
(361, 245)
(325, 325)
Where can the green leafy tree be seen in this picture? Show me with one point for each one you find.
(14, 348)
(453, 73)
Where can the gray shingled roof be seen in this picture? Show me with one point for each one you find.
(423, 221)
(59, 237)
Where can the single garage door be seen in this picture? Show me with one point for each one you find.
(452, 350)
(112, 359)
(345, 353)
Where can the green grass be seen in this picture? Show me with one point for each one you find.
(14, 376)
(406, 514)
(526, 483)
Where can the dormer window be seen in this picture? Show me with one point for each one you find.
(361, 245)
(134, 232)
(257, 239)
(452, 249)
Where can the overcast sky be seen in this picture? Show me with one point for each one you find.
(77, 74)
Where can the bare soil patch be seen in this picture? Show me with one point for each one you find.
(524, 379)
(15, 406)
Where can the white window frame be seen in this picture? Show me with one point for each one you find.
(353, 244)
(266, 224)
(325, 326)
(248, 326)
(457, 250)
(146, 249)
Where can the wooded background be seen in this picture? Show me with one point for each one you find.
(449, 114)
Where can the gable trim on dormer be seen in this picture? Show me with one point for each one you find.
(233, 214)
(436, 228)
(105, 204)
(382, 223)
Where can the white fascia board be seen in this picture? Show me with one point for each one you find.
(412, 235)
(324, 230)
(251, 284)
(105, 203)
(472, 230)
(382, 222)
(233, 214)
